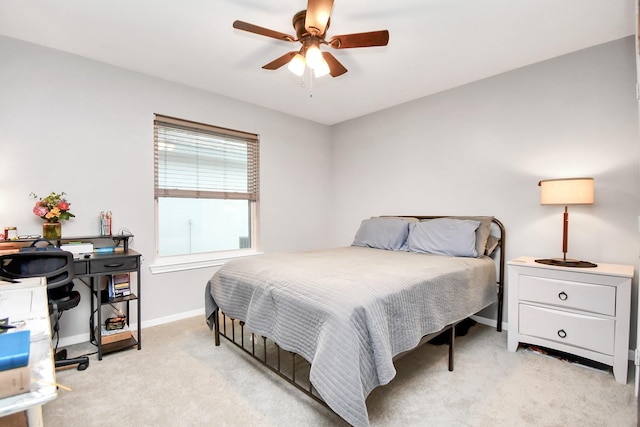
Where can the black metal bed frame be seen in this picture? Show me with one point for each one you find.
(261, 356)
(246, 341)
(225, 326)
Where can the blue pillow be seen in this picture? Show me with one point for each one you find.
(444, 236)
(383, 233)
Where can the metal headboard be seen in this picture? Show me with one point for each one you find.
(500, 261)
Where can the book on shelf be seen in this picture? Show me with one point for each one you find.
(14, 349)
(109, 336)
(15, 381)
(119, 285)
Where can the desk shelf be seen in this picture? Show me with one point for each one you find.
(117, 239)
(119, 345)
(102, 265)
(122, 344)
(106, 300)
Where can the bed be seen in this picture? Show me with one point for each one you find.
(350, 311)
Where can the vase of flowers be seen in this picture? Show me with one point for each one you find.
(52, 209)
(52, 230)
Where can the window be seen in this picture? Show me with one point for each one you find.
(206, 187)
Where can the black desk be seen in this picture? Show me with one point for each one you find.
(104, 264)
(90, 270)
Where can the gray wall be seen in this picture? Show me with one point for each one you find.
(75, 125)
(481, 149)
(86, 128)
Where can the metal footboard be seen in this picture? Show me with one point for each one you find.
(288, 365)
(296, 369)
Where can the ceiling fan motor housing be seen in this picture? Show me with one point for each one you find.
(299, 20)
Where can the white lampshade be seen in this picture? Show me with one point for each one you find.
(314, 56)
(322, 69)
(567, 191)
(297, 64)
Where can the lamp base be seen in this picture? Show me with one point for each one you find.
(560, 262)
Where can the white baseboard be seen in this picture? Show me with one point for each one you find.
(74, 339)
(489, 322)
(173, 318)
(77, 339)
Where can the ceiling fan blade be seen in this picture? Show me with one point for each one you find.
(373, 38)
(335, 67)
(318, 13)
(245, 26)
(277, 63)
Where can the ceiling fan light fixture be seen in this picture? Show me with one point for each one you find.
(297, 64)
(310, 27)
(322, 69)
(314, 56)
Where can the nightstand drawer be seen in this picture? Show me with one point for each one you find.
(564, 293)
(590, 333)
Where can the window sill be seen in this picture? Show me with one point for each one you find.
(192, 262)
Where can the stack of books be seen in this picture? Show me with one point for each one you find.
(15, 373)
(119, 285)
(112, 335)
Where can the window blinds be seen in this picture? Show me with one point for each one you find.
(195, 160)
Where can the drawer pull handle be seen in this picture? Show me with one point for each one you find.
(563, 296)
(562, 333)
(114, 265)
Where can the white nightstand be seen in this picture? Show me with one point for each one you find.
(581, 311)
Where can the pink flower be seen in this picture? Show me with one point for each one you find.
(63, 205)
(40, 210)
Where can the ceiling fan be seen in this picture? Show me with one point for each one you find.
(311, 27)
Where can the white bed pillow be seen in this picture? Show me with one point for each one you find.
(383, 233)
(444, 236)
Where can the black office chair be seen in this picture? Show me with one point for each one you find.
(57, 267)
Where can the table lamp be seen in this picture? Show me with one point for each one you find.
(566, 191)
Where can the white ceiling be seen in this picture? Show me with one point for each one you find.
(434, 45)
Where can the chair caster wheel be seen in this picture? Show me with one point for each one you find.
(83, 366)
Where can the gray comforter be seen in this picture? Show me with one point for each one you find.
(350, 310)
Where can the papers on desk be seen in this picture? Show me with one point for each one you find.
(12, 284)
(15, 302)
(18, 302)
(78, 248)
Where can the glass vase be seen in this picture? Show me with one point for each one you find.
(52, 230)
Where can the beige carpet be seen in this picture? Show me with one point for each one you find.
(180, 378)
